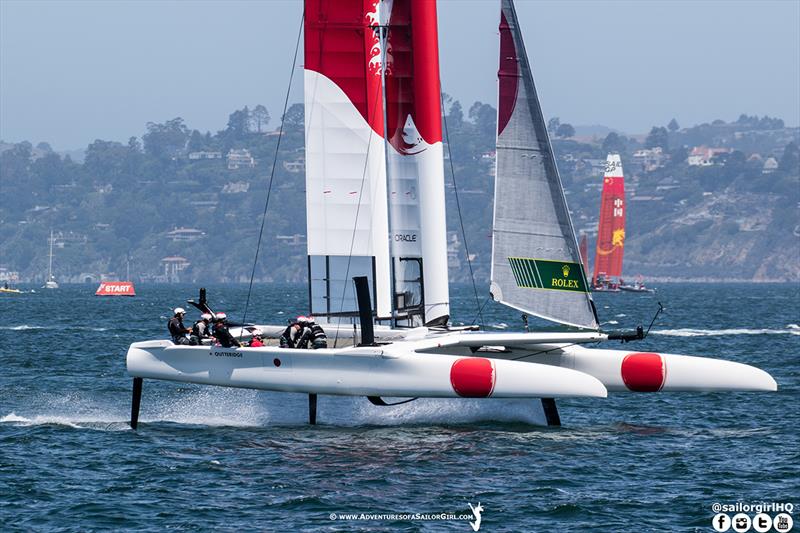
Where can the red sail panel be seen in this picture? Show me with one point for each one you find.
(611, 228)
(342, 43)
(507, 75)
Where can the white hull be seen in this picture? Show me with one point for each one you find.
(392, 370)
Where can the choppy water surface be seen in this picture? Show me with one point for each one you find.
(223, 459)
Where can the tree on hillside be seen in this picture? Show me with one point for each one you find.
(613, 143)
(790, 160)
(657, 137)
(238, 125)
(197, 142)
(259, 117)
(565, 131)
(455, 118)
(105, 161)
(673, 125)
(294, 117)
(167, 140)
(483, 115)
(553, 124)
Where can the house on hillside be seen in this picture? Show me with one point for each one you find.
(173, 266)
(235, 187)
(649, 159)
(240, 159)
(185, 234)
(770, 166)
(204, 155)
(703, 156)
(296, 166)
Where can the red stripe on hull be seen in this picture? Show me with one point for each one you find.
(643, 372)
(473, 378)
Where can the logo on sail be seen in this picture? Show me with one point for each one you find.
(382, 10)
(618, 237)
(545, 274)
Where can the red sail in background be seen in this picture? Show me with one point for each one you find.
(584, 248)
(611, 228)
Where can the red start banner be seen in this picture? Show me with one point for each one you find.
(115, 288)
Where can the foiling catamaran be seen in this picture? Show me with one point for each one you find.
(369, 64)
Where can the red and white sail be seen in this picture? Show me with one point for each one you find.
(611, 228)
(536, 264)
(363, 220)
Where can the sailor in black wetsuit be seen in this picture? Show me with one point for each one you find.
(313, 335)
(176, 328)
(221, 333)
(201, 329)
(291, 334)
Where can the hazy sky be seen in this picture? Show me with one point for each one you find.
(75, 71)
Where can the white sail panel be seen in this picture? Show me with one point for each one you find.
(536, 264)
(345, 183)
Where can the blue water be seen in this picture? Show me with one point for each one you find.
(213, 458)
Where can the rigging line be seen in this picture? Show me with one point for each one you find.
(486, 301)
(358, 211)
(272, 173)
(545, 351)
(460, 219)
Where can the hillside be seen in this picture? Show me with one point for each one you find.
(714, 201)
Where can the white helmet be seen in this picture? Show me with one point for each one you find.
(206, 316)
(180, 311)
(256, 332)
(220, 316)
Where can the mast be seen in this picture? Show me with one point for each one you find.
(384, 14)
(50, 267)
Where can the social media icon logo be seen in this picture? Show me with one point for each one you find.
(721, 522)
(783, 522)
(741, 523)
(762, 522)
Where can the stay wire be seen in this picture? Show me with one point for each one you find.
(272, 173)
(461, 219)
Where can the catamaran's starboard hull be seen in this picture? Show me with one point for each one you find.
(362, 371)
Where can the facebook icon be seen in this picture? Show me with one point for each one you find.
(721, 522)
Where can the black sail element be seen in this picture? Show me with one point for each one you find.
(536, 263)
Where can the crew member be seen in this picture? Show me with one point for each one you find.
(201, 329)
(176, 328)
(221, 333)
(313, 335)
(291, 334)
(256, 341)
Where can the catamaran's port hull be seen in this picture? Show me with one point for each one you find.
(358, 371)
(633, 371)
